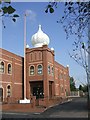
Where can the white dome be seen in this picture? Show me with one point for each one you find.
(40, 38)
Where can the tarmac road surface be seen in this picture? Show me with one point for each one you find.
(77, 108)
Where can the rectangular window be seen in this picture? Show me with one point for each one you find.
(48, 69)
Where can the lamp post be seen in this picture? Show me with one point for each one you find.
(25, 56)
(25, 99)
(25, 15)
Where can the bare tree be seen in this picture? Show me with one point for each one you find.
(76, 22)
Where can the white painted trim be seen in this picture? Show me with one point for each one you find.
(11, 57)
(5, 82)
(18, 64)
(34, 70)
(18, 83)
(7, 69)
(36, 62)
(5, 60)
(10, 89)
(4, 66)
(51, 63)
(37, 69)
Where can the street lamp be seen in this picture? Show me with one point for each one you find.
(25, 99)
(25, 56)
(25, 15)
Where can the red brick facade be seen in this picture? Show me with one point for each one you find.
(54, 79)
(13, 79)
(45, 78)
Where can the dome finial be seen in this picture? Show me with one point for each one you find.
(39, 27)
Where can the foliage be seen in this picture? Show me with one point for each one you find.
(83, 88)
(80, 87)
(72, 84)
(50, 7)
(7, 10)
(76, 13)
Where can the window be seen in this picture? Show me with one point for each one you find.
(52, 71)
(48, 69)
(32, 70)
(9, 69)
(61, 76)
(39, 69)
(1, 67)
(8, 91)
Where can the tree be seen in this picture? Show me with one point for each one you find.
(85, 88)
(80, 87)
(72, 84)
(76, 21)
(6, 10)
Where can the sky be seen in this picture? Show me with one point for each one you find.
(13, 34)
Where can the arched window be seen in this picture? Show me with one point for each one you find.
(48, 69)
(32, 70)
(8, 91)
(1, 67)
(9, 69)
(39, 69)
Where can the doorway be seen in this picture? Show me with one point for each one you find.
(38, 92)
(1, 94)
(50, 89)
(37, 89)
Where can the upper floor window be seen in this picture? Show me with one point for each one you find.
(1, 67)
(32, 70)
(39, 69)
(48, 69)
(52, 71)
(8, 91)
(9, 69)
(61, 75)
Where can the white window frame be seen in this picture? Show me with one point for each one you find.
(39, 70)
(7, 69)
(3, 67)
(30, 70)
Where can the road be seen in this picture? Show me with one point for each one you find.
(77, 108)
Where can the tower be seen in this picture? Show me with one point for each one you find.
(40, 67)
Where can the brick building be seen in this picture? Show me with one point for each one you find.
(11, 75)
(45, 78)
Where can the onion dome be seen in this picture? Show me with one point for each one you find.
(40, 38)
